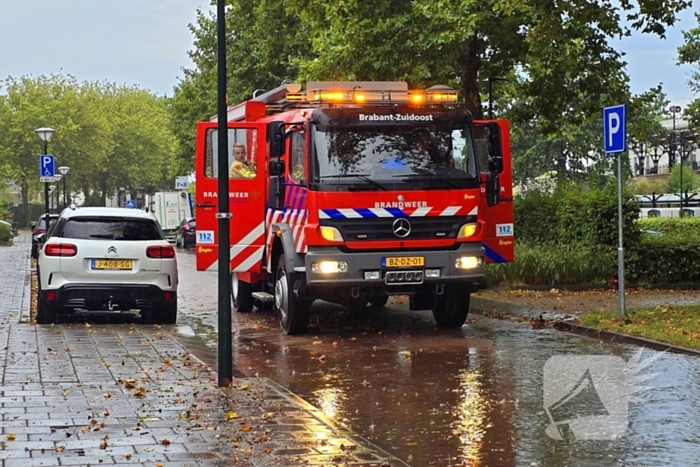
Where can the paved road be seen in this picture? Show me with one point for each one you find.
(468, 397)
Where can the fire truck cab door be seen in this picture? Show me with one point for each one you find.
(246, 200)
(499, 240)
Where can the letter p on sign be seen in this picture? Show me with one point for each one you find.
(614, 129)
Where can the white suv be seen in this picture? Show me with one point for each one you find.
(107, 259)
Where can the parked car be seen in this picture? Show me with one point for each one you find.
(45, 221)
(107, 259)
(186, 235)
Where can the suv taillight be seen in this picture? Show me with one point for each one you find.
(60, 249)
(160, 252)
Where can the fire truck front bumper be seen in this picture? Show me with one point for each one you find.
(395, 270)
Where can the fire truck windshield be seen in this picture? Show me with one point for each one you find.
(394, 157)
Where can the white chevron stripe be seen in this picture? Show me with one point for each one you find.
(421, 212)
(350, 213)
(450, 211)
(300, 241)
(242, 244)
(323, 215)
(251, 260)
(474, 211)
(381, 212)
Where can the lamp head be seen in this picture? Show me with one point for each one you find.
(64, 169)
(45, 133)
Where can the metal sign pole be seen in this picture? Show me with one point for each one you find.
(615, 142)
(225, 351)
(620, 248)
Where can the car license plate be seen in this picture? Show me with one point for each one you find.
(403, 262)
(112, 264)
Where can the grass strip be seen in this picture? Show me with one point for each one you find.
(675, 325)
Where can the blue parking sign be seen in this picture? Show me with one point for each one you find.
(614, 129)
(47, 165)
(131, 204)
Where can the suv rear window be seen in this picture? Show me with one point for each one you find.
(111, 228)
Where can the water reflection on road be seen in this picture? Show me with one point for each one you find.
(449, 398)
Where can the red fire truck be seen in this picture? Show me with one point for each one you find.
(354, 191)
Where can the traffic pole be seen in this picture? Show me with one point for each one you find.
(225, 351)
(620, 249)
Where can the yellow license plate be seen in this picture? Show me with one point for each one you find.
(404, 262)
(113, 264)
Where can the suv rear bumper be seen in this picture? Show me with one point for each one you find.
(110, 297)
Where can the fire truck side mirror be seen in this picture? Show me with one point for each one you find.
(496, 165)
(275, 134)
(493, 189)
(276, 197)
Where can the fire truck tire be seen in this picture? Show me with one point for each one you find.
(451, 309)
(292, 311)
(241, 294)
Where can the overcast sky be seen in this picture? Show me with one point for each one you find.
(144, 43)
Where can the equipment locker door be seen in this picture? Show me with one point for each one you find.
(499, 240)
(247, 184)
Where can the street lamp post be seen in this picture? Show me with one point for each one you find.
(121, 197)
(58, 178)
(45, 135)
(64, 169)
(52, 188)
(672, 147)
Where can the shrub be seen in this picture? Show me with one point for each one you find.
(575, 213)
(5, 233)
(554, 265)
(686, 227)
(665, 260)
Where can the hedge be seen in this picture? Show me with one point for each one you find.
(685, 227)
(575, 213)
(665, 260)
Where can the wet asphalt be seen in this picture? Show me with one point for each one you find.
(473, 396)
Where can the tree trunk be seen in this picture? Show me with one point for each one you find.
(470, 63)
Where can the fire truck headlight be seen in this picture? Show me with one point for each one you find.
(330, 233)
(468, 262)
(467, 231)
(329, 267)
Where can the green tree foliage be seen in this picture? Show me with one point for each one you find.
(108, 135)
(648, 186)
(557, 56)
(691, 181)
(689, 53)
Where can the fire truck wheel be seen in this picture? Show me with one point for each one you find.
(242, 294)
(292, 311)
(450, 309)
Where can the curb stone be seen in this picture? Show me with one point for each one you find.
(618, 337)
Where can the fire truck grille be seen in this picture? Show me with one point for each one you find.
(383, 228)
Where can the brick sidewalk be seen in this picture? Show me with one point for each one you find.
(132, 395)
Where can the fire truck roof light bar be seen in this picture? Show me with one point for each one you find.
(345, 92)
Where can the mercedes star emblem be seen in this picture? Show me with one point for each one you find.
(401, 227)
(401, 198)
